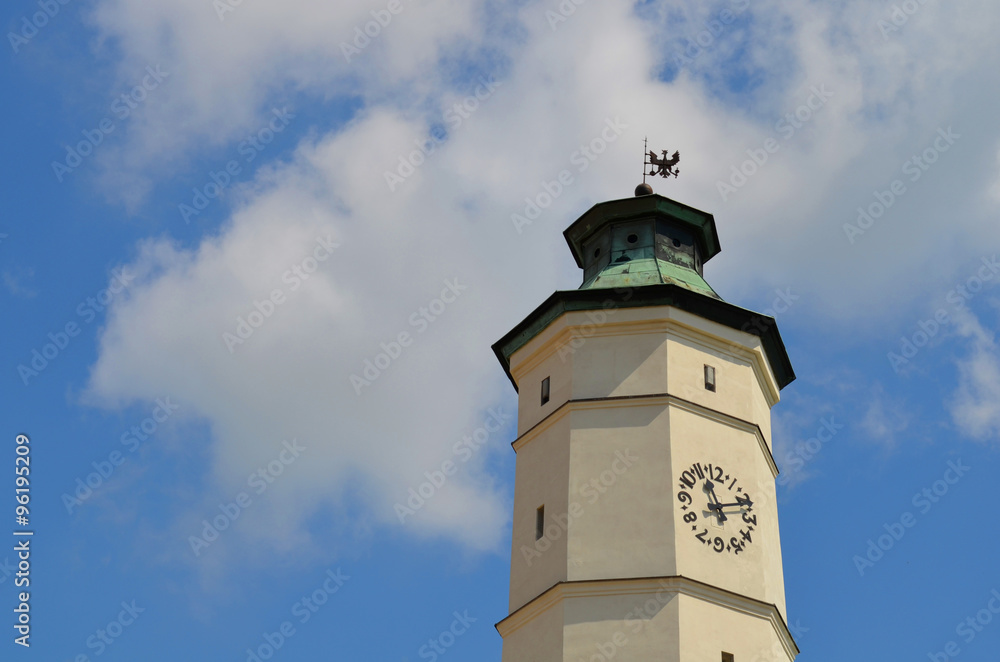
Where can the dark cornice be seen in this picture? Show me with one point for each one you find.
(716, 310)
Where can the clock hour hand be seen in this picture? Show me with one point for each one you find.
(713, 504)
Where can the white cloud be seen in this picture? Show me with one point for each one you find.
(223, 74)
(14, 281)
(886, 417)
(994, 191)
(451, 218)
(975, 406)
(290, 378)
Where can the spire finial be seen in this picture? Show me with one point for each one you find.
(644, 188)
(645, 149)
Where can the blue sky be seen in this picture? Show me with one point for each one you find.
(355, 195)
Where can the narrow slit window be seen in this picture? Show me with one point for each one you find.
(545, 390)
(539, 522)
(727, 657)
(710, 378)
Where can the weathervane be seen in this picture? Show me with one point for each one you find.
(664, 166)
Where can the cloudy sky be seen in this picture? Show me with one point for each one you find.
(219, 214)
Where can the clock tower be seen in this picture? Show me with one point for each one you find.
(645, 525)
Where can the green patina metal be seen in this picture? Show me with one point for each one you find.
(647, 240)
(651, 271)
(701, 224)
(646, 251)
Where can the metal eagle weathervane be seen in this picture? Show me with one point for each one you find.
(664, 166)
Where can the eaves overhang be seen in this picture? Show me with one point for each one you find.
(715, 310)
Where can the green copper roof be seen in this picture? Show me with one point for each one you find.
(649, 271)
(645, 240)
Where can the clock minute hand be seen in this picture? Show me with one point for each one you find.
(737, 503)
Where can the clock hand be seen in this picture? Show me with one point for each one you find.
(741, 504)
(710, 488)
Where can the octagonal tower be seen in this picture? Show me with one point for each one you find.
(645, 525)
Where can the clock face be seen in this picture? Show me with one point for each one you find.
(714, 505)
